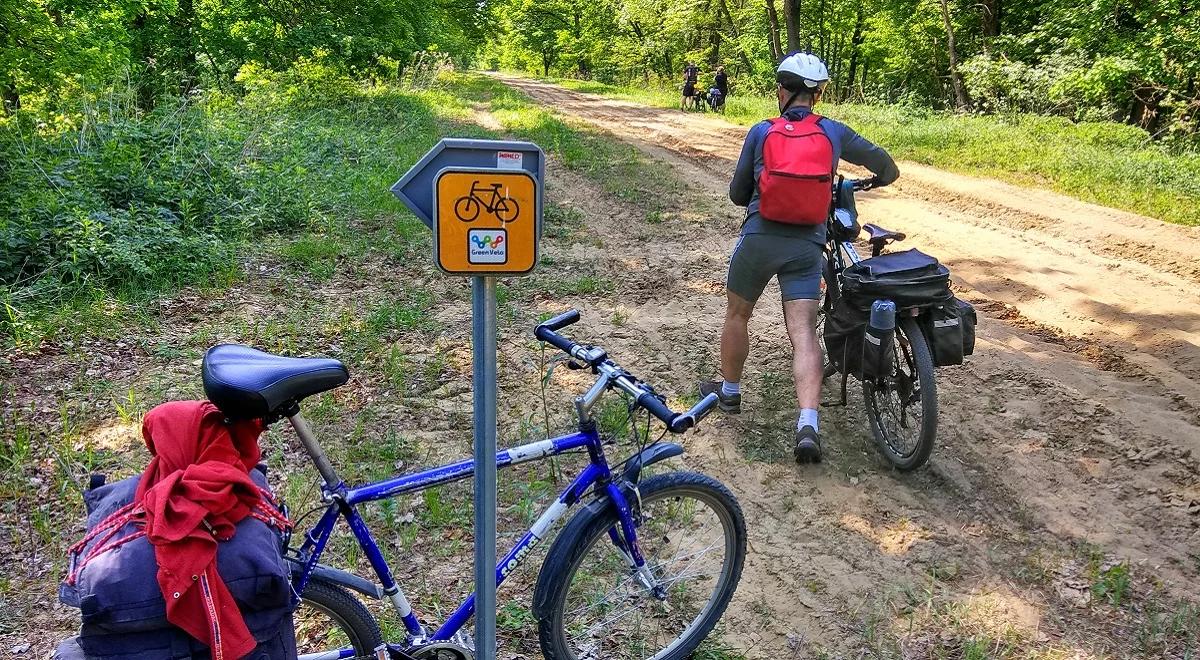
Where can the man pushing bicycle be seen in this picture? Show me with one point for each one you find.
(784, 178)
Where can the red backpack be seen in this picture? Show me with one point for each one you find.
(796, 184)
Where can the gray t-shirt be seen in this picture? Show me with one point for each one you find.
(847, 145)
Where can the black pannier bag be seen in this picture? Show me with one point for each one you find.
(123, 612)
(909, 279)
(844, 329)
(950, 328)
(847, 345)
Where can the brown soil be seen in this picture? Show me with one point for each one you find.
(1067, 443)
(1073, 427)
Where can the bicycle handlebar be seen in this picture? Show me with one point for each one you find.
(597, 358)
(863, 185)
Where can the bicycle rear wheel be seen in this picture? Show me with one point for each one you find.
(591, 605)
(330, 621)
(902, 406)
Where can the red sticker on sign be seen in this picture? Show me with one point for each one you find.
(509, 160)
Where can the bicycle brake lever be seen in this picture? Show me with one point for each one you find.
(574, 366)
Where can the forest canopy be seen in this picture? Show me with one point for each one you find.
(52, 51)
(1132, 61)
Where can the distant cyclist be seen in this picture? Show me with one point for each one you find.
(721, 82)
(691, 73)
(791, 249)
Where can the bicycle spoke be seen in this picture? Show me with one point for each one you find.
(683, 541)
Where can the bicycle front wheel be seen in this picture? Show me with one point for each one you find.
(902, 406)
(591, 604)
(330, 621)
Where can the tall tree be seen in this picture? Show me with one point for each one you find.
(961, 100)
(773, 31)
(791, 17)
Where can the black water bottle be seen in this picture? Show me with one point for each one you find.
(877, 342)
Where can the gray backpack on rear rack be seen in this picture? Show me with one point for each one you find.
(122, 608)
(911, 280)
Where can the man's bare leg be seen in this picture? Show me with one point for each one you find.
(735, 338)
(801, 318)
(735, 346)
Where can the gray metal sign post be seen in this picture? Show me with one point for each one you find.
(483, 345)
(441, 187)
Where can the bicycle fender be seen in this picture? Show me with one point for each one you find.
(649, 456)
(338, 577)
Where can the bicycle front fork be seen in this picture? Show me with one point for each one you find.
(624, 538)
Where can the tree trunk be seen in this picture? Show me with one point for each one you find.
(773, 31)
(183, 36)
(714, 52)
(791, 18)
(141, 56)
(961, 100)
(824, 54)
(855, 45)
(737, 35)
(990, 19)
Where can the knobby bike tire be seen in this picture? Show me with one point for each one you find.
(927, 435)
(591, 525)
(351, 617)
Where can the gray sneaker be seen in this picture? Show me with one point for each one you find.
(731, 405)
(808, 445)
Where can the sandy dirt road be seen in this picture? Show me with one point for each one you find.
(1069, 442)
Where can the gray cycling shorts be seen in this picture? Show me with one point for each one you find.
(759, 257)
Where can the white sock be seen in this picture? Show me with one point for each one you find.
(808, 417)
(730, 389)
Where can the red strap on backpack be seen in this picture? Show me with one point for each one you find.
(796, 183)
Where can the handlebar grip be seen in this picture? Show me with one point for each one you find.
(687, 420)
(561, 321)
(556, 340)
(862, 185)
(545, 331)
(657, 408)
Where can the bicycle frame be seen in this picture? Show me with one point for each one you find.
(343, 500)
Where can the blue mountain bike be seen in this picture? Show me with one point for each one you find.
(644, 569)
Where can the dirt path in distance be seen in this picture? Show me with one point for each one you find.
(1069, 442)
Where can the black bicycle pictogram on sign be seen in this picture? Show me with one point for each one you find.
(467, 207)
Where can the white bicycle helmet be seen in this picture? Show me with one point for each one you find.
(802, 72)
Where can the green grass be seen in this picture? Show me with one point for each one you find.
(1101, 162)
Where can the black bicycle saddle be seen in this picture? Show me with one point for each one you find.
(247, 383)
(881, 235)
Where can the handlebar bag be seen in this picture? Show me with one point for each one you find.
(113, 583)
(909, 279)
(950, 328)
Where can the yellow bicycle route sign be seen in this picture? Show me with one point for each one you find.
(486, 221)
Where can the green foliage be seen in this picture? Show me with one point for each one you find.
(1111, 584)
(125, 204)
(1102, 60)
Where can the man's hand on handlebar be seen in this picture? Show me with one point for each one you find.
(863, 185)
(617, 377)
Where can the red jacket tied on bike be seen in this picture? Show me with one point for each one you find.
(195, 490)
